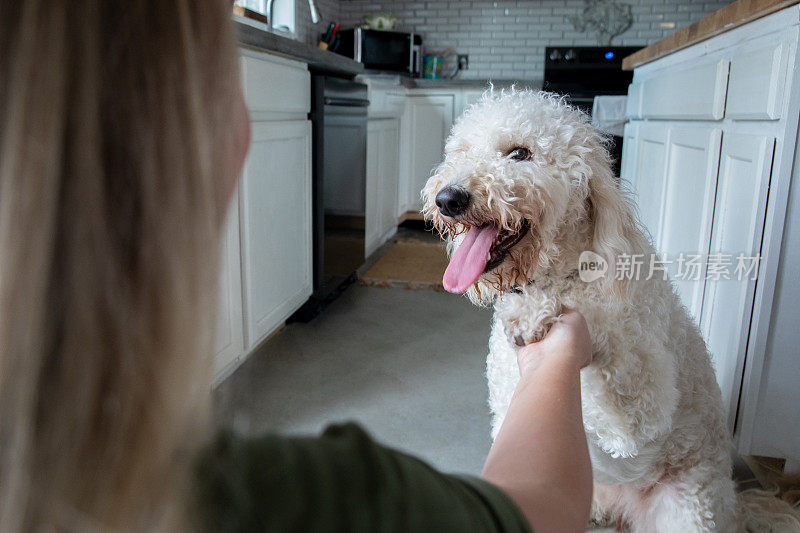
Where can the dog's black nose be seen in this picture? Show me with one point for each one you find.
(452, 201)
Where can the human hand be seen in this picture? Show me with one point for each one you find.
(568, 341)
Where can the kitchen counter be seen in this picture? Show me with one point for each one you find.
(423, 83)
(444, 84)
(725, 19)
(323, 60)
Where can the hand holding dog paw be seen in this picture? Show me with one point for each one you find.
(527, 316)
(568, 340)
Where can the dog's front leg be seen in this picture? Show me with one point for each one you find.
(629, 396)
(519, 319)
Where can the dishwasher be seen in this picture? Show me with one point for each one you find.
(339, 167)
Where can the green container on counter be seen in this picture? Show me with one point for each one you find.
(432, 67)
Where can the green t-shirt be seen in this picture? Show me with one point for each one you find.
(341, 481)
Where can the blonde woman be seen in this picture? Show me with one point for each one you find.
(122, 134)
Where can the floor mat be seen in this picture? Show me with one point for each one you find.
(409, 263)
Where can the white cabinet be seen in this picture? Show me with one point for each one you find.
(276, 225)
(744, 173)
(265, 248)
(711, 153)
(648, 176)
(274, 87)
(230, 330)
(429, 118)
(770, 413)
(383, 158)
(390, 177)
(372, 219)
(756, 85)
(466, 98)
(674, 172)
(693, 93)
(630, 141)
(692, 159)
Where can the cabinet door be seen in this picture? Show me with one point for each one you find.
(374, 183)
(630, 144)
(230, 332)
(430, 120)
(390, 163)
(383, 158)
(276, 225)
(648, 176)
(744, 173)
(692, 162)
(467, 98)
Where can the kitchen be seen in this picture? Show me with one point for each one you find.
(710, 124)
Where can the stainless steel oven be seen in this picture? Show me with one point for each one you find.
(339, 163)
(392, 51)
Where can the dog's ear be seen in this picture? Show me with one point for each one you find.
(614, 228)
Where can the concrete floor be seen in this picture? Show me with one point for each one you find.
(406, 365)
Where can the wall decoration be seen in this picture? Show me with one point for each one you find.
(607, 18)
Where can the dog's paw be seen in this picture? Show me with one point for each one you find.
(599, 519)
(527, 317)
(522, 332)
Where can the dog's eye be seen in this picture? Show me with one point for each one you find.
(519, 153)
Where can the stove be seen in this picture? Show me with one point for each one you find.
(583, 72)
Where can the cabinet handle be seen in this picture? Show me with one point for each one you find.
(347, 102)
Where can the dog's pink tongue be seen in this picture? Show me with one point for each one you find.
(469, 260)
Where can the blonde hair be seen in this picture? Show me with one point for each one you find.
(113, 157)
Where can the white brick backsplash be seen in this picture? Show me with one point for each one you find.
(505, 39)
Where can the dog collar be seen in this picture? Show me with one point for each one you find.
(515, 289)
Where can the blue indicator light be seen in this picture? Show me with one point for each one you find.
(609, 55)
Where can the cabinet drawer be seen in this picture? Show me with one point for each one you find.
(377, 101)
(755, 88)
(275, 86)
(696, 93)
(385, 102)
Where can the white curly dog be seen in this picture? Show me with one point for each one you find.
(524, 188)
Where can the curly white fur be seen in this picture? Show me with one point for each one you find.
(652, 409)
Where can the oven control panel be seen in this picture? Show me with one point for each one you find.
(596, 56)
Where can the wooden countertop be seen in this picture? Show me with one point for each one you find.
(720, 21)
(320, 60)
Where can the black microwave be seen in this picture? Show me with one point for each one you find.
(392, 51)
